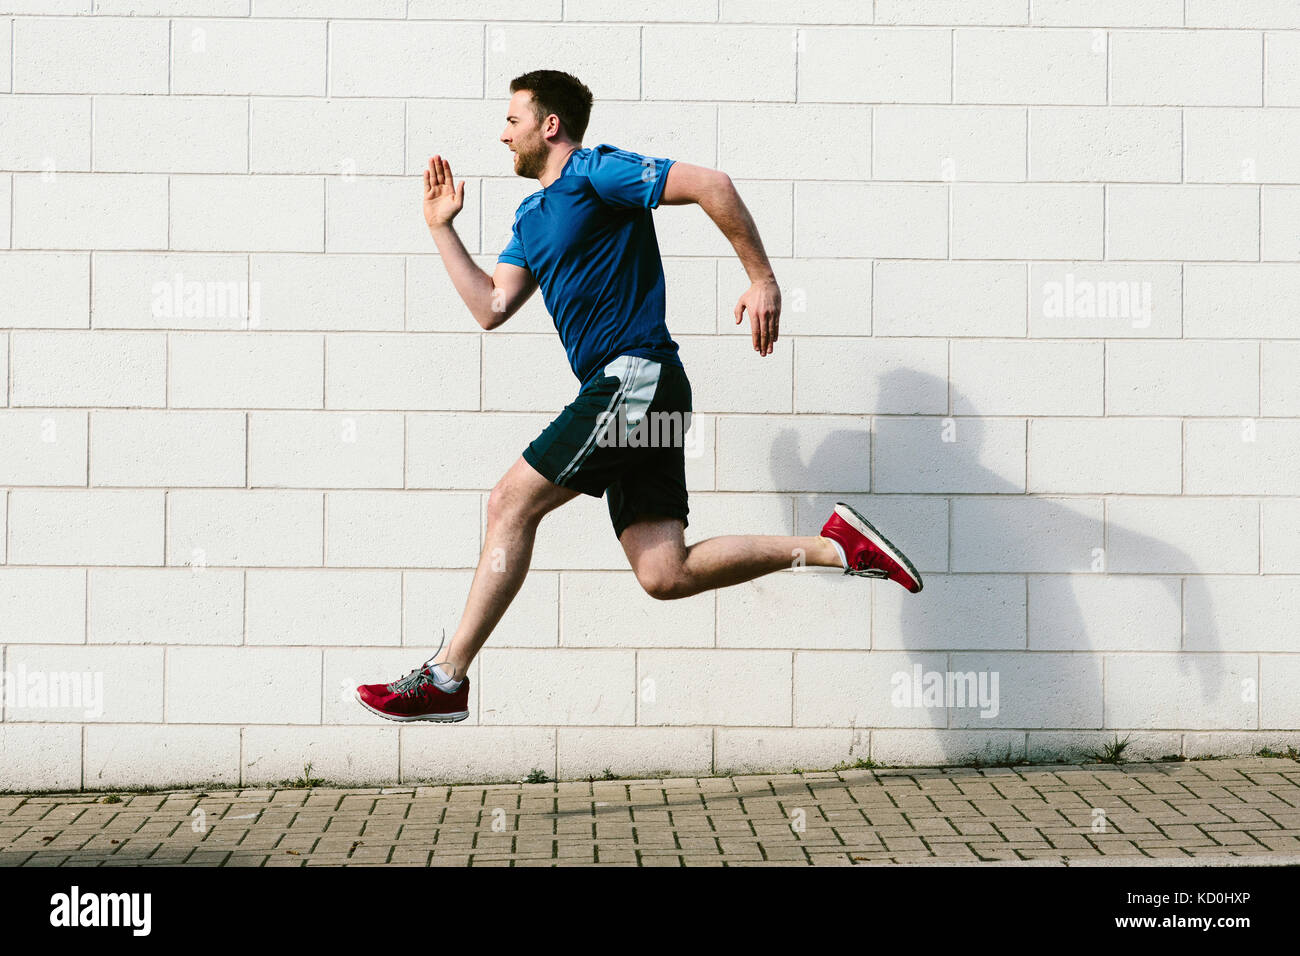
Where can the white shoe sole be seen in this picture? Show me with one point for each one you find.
(863, 526)
(436, 718)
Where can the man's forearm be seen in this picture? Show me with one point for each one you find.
(728, 211)
(474, 285)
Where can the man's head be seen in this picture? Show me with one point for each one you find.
(548, 110)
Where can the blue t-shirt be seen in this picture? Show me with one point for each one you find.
(589, 240)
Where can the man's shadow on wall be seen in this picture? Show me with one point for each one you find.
(935, 626)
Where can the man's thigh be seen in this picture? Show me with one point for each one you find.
(652, 480)
(623, 438)
(654, 542)
(574, 451)
(525, 488)
(653, 486)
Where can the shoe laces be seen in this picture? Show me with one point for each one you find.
(412, 682)
(416, 679)
(863, 568)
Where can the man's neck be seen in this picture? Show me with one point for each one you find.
(555, 165)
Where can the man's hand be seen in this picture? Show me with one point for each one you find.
(763, 300)
(442, 199)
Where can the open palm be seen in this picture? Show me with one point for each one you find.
(443, 199)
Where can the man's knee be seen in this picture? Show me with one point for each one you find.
(519, 501)
(507, 502)
(663, 581)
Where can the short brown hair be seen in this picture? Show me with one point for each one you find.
(560, 93)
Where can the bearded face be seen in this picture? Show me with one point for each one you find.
(530, 154)
(523, 134)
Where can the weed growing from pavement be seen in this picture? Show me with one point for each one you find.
(859, 764)
(305, 782)
(1008, 759)
(1290, 753)
(1112, 752)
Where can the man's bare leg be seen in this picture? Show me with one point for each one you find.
(515, 509)
(668, 569)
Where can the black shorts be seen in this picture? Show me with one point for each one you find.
(623, 437)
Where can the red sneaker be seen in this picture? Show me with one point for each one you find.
(416, 697)
(869, 553)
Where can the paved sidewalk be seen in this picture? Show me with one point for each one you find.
(1244, 810)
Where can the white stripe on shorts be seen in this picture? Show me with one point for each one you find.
(625, 369)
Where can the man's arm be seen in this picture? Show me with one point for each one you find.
(715, 193)
(491, 298)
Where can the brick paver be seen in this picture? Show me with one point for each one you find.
(1221, 811)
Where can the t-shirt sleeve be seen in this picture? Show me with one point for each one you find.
(624, 178)
(513, 253)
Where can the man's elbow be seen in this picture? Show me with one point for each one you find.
(718, 188)
(490, 320)
(496, 312)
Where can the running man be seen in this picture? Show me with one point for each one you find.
(587, 238)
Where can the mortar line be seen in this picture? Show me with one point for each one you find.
(1264, 64)
(1182, 145)
(952, 62)
(798, 36)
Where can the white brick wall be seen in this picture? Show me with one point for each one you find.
(1042, 280)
